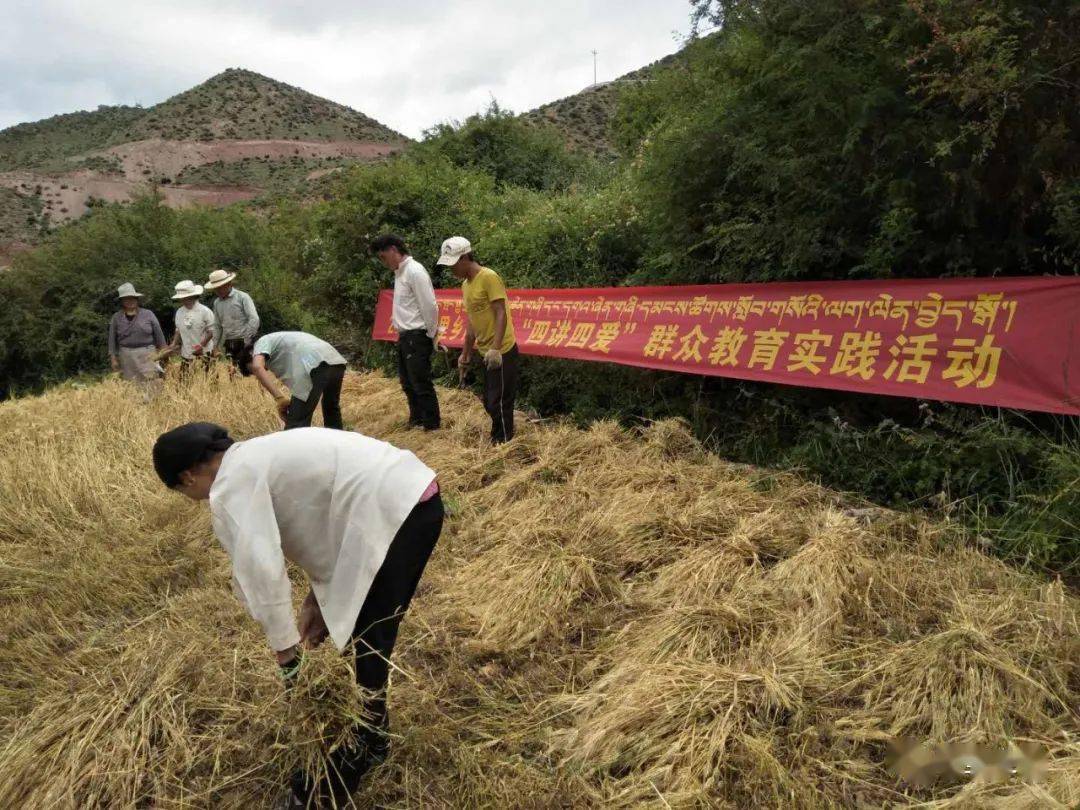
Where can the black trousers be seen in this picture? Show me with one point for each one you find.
(374, 636)
(189, 365)
(238, 351)
(500, 390)
(325, 385)
(414, 371)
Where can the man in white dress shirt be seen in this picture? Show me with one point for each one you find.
(416, 319)
(360, 518)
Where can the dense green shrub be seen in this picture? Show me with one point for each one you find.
(513, 151)
(423, 200)
(832, 140)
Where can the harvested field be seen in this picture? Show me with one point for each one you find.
(612, 618)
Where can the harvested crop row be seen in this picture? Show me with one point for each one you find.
(612, 618)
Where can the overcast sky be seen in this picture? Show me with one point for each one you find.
(409, 63)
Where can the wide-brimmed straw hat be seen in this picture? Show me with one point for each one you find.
(127, 290)
(219, 278)
(187, 289)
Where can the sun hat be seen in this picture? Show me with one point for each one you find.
(453, 249)
(219, 278)
(187, 289)
(127, 290)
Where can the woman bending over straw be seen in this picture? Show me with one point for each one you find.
(359, 516)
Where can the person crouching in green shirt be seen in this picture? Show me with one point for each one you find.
(490, 332)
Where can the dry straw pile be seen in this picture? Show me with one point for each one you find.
(611, 619)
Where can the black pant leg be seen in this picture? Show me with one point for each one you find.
(392, 590)
(511, 381)
(331, 397)
(500, 390)
(418, 352)
(239, 352)
(300, 411)
(406, 383)
(493, 399)
(375, 635)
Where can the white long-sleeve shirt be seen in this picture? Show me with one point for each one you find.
(415, 306)
(331, 502)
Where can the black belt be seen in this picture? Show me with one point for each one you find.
(413, 332)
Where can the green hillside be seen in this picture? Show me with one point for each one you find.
(18, 217)
(275, 176)
(241, 104)
(44, 144)
(585, 118)
(235, 104)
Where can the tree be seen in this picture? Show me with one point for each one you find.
(862, 138)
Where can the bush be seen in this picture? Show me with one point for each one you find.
(511, 150)
(808, 140)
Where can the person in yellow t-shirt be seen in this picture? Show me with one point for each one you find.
(490, 333)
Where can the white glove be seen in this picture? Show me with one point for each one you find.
(493, 358)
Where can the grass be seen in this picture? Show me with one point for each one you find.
(612, 618)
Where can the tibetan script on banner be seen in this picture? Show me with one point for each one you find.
(1006, 342)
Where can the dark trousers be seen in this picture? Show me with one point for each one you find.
(325, 385)
(374, 636)
(238, 351)
(190, 365)
(500, 390)
(414, 371)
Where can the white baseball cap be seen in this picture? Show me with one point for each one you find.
(453, 249)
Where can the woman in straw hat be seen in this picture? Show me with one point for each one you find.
(359, 516)
(134, 335)
(195, 323)
(237, 318)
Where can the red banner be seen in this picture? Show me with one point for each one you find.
(1009, 342)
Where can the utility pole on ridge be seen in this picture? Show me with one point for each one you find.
(594, 66)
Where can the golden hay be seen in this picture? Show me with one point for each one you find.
(612, 618)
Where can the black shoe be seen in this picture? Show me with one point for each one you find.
(378, 750)
(348, 768)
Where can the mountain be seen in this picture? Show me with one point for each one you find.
(585, 118)
(242, 105)
(229, 139)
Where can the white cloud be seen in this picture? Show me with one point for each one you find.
(409, 64)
